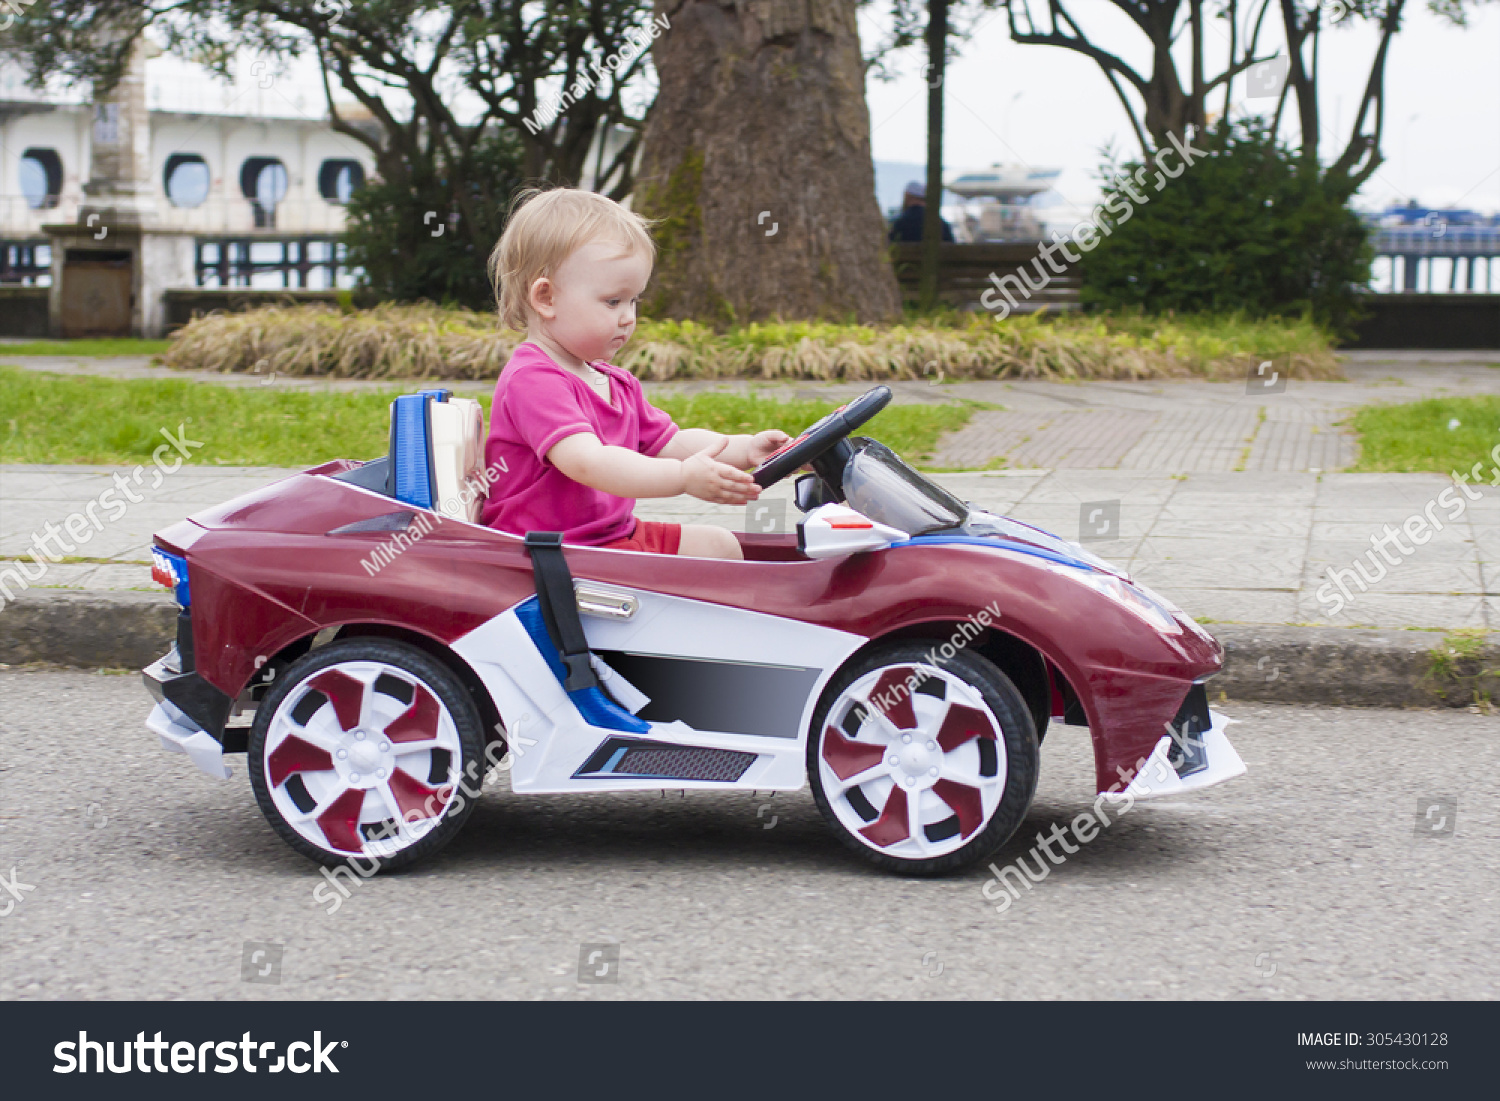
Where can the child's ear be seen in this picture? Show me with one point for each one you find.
(540, 298)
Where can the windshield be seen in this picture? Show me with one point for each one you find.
(879, 485)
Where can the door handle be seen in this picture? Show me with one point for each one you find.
(605, 603)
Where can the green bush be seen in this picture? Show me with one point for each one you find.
(1248, 228)
(391, 223)
(423, 341)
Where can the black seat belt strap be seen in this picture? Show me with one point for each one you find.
(554, 592)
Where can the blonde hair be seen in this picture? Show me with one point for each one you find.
(545, 228)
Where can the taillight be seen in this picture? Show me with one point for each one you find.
(170, 570)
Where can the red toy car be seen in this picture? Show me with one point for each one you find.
(375, 651)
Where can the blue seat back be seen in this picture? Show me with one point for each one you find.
(411, 451)
(437, 454)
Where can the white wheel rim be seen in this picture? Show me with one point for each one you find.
(354, 776)
(912, 772)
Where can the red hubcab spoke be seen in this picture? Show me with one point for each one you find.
(965, 801)
(848, 758)
(962, 723)
(891, 826)
(344, 692)
(419, 722)
(415, 798)
(340, 822)
(892, 698)
(295, 755)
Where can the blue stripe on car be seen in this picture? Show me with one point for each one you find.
(994, 543)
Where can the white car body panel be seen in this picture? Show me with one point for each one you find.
(551, 741)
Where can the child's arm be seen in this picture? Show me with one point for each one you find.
(626, 473)
(739, 451)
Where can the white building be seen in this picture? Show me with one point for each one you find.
(212, 173)
(176, 181)
(255, 160)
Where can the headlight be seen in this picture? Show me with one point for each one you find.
(1153, 595)
(1134, 598)
(1142, 602)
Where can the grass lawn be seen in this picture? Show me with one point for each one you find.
(122, 346)
(48, 418)
(1422, 435)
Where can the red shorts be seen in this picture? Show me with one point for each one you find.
(650, 537)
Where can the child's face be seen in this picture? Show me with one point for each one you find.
(588, 306)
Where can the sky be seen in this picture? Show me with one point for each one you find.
(1442, 126)
(1049, 107)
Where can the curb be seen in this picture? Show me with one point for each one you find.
(1345, 666)
(91, 630)
(1298, 665)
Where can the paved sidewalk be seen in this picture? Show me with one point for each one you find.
(1181, 426)
(1239, 547)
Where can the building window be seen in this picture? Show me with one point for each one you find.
(263, 181)
(41, 178)
(186, 178)
(338, 179)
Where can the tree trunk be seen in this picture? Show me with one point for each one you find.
(1167, 107)
(932, 216)
(1301, 80)
(757, 165)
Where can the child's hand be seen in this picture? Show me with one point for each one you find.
(719, 483)
(765, 444)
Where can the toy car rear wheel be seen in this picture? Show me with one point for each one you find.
(922, 765)
(367, 749)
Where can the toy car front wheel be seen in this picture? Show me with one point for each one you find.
(359, 751)
(922, 768)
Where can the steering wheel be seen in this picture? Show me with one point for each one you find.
(822, 437)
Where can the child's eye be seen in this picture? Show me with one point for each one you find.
(612, 302)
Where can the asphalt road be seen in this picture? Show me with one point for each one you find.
(1314, 876)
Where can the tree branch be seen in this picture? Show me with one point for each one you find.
(1077, 42)
(1347, 171)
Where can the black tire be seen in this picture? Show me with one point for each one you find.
(984, 809)
(436, 779)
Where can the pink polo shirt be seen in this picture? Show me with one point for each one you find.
(537, 403)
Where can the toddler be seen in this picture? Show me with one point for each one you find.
(577, 437)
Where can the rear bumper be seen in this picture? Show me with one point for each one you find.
(1209, 759)
(180, 734)
(189, 715)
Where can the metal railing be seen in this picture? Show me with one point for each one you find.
(27, 261)
(1437, 239)
(1434, 256)
(314, 262)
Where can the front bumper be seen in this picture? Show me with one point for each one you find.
(1185, 762)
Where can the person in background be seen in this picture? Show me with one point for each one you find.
(908, 226)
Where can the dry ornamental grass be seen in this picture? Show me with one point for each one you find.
(428, 342)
